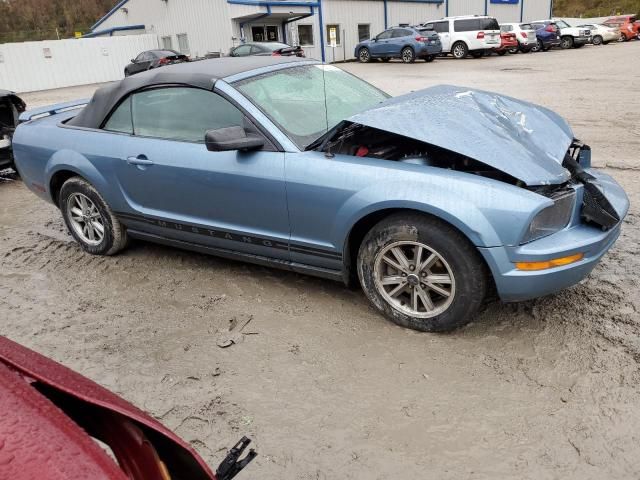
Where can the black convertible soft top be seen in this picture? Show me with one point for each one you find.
(201, 74)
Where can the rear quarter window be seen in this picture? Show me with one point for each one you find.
(489, 24)
(467, 25)
(120, 120)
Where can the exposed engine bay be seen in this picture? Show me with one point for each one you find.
(362, 141)
(10, 108)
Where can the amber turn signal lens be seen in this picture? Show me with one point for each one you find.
(555, 262)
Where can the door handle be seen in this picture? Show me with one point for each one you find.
(139, 160)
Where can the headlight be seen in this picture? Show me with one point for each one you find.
(551, 219)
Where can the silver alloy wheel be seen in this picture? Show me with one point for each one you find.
(407, 55)
(364, 55)
(622, 37)
(458, 51)
(85, 218)
(414, 279)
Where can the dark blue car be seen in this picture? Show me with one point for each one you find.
(548, 35)
(405, 43)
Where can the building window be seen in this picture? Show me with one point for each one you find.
(183, 43)
(364, 32)
(167, 44)
(305, 35)
(333, 30)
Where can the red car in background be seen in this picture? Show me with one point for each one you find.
(508, 41)
(51, 416)
(628, 24)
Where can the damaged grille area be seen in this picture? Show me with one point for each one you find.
(596, 209)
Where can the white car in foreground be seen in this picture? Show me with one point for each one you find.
(601, 34)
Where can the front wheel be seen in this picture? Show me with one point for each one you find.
(364, 55)
(459, 50)
(622, 37)
(597, 40)
(407, 55)
(89, 219)
(421, 273)
(538, 46)
(566, 42)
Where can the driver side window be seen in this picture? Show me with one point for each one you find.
(174, 113)
(385, 35)
(242, 50)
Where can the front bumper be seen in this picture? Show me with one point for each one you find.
(581, 40)
(578, 237)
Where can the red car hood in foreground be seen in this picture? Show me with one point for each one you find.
(43, 403)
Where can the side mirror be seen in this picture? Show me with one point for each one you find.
(231, 138)
(374, 39)
(133, 60)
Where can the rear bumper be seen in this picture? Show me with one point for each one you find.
(578, 237)
(429, 49)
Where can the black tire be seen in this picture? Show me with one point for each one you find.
(499, 52)
(114, 237)
(538, 46)
(364, 55)
(546, 49)
(579, 45)
(429, 58)
(566, 42)
(461, 259)
(597, 40)
(459, 50)
(622, 37)
(407, 55)
(514, 50)
(477, 53)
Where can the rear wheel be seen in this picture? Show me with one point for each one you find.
(597, 40)
(514, 50)
(364, 55)
(429, 58)
(459, 50)
(538, 46)
(622, 37)
(407, 55)
(421, 273)
(89, 219)
(502, 52)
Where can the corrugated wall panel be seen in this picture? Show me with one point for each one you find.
(207, 23)
(25, 68)
(506, 13)
(466, 7)
(413, 12)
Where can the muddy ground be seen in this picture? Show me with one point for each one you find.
(325, 386)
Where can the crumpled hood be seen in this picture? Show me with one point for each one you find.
(521, 139)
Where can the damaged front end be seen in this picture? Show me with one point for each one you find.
(11, 106)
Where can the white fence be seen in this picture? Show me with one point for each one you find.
(32, 66)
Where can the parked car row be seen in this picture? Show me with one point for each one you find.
(480, 35)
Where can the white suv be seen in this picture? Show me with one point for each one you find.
(525, 33)
(470, 34)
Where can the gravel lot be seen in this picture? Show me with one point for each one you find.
(326, 387)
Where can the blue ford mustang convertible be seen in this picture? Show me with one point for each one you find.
(430, 200)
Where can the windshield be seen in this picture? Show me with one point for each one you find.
(307, 101)
(526, 26)
(562, 24)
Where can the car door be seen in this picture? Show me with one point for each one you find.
(177, 189)
(142, 62)
(241, 51)
(381, 46)
(399, 40)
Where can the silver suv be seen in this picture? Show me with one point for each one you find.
(525, 33)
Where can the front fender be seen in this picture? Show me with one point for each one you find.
(487, 212)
